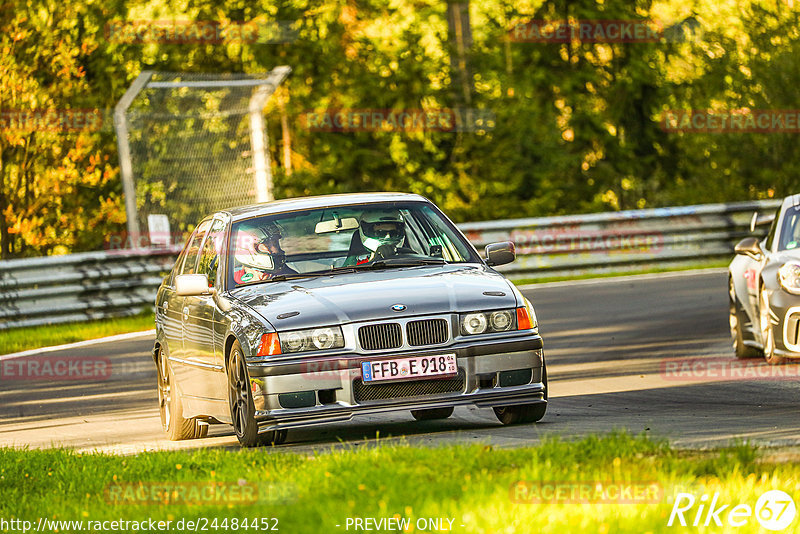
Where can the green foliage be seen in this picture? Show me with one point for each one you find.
(577, 125)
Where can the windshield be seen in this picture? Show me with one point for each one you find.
(345, 238)
(790, 233)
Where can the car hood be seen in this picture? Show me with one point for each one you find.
(788, 255)
(370, 295)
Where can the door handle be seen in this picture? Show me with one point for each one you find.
(186, 313)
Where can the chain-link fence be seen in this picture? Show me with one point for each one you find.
(191, 144)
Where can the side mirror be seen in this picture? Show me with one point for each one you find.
(196, 285)
(191, 285)
(500, 253)
(760, 220)
(749, 246)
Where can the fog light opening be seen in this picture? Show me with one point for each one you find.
(327, 396)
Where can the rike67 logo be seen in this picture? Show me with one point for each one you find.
(774, 510)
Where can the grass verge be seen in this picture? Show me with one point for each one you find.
(33, 337)
(479, 488)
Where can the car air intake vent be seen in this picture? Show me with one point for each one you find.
(427, 332)
(380, 336)
(414, 388)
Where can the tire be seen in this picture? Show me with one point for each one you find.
(242, 407)
(766, 330)
(741, 350)
(432, 414)
(526, 413)
(169, 403)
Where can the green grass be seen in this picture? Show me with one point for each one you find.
(17, 339)
(470, 484)
(614, 274)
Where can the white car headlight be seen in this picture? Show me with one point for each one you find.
(789, 275)
(474, 323)
(312, 339)
(324, 338)
(497, 321)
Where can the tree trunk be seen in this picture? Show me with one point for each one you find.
(460, 37)
(5, 248)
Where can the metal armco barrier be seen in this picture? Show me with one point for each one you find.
(619, 241)
(80, 287)
(93, 285)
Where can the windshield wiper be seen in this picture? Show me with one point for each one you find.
(293, 276)
(378, 264)
(400, 262)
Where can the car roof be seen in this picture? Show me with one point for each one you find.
(792, 200)
(322, 201)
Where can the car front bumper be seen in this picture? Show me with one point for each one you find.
(785, 310)
(491, 373)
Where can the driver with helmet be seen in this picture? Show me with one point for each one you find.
(259, 255)
(381, 234)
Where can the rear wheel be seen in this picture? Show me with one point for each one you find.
(767, 332)
(242, 407)
(526, 413)
(432, 414)
(739, 348)
(169, 402)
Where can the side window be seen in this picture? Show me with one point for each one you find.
(209, 258)
(193, 248)
(772, 228)
(790, 233)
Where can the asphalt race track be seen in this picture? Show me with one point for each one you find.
(647, 354)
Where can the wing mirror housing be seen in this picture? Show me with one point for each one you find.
(500, 253)
(749, 246)
(196, 285)
(760, 220)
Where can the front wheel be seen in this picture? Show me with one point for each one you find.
(737, 335)
(767, 332)
(242, 406)
(525, 413)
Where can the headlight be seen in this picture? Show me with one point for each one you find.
(485, 322)
(474, 323)
(312, 339)
(789, 276)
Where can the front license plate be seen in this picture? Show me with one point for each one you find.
(415, 367)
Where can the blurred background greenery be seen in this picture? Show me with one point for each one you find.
(577, 128)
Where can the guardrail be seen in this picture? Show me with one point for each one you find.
(93, 285)
(619, 241)
(80, 287)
